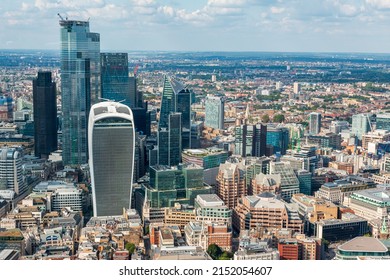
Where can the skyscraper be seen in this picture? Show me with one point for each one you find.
(115, 77)
(278, 137)
(11, 170)
(176, 98)
(360, 125)
(314, 123)
(45, 115)
(80, 86)
(250, 140)
(111, 141)
(169, 141)
(214, 112)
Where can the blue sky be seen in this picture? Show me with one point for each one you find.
(205, 25)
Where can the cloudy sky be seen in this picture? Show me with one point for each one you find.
(205, 25)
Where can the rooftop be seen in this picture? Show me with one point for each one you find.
(364, 244)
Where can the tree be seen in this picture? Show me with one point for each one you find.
(226, 256)
(265, 118)
(214, 251)
(278, 118)
(130, 247)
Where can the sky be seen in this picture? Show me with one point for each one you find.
(204, 25)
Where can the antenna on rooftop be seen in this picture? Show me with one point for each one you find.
(58, 14)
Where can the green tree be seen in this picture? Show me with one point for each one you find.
(226, 256)
(130, 247)
(278, 118)
(265, 118)
(214, 251)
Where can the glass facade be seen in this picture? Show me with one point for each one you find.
(278, 137)
(112, 144)
(169, 185)
(80, 86)
(45, 115)
(383, 121)
(250, 140)
(115, 77)
(214, 112)
(175, 99)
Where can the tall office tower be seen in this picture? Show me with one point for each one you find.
(139, 157)
(214, 116)
(230, 183)
(278, 138)
(297, 88)
(115, 77)
(360, 125)
(169, 141)
(383, 121)
(250, 140)
(314, 123)
(45, 115)
(80, 86)
(11, 170)
(111, 141)
(176, 99)
(304, 178)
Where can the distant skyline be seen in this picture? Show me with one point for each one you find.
(205, 25)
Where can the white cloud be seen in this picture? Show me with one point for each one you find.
(226, 3)
(277, 10)
(380, 4)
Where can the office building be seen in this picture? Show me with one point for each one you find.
(206, 158)
(174, 184)
(350, 226)
(304, 178)
(360, 125)
(289, 183)
(170, 141)
(111, 140)
(205, 234)
(214, 112)
(211, 208)
(370, 203)
(383, 121)
(80, 86)
(6, 108)
(267, 210)
(250, 140)
(176, 98)
(314, 123)
(297, 88)
(230, 183)
(69, 197)
(11, 170)
(115, 78)
(278, 138)
(45, 115)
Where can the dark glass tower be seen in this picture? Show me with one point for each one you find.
(115, 77)
(45, 115)
(169, 141)
(250, 140)
(175, 99)
(80, 86)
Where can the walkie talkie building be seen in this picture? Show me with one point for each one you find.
(111, 143)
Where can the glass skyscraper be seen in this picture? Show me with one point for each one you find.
(115, 77)
(214, 112)
(45, 115)
(111, 140)
(174, 128)
(314, 123)
(250, 140)
(80, 86)
(278, 137)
